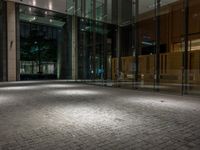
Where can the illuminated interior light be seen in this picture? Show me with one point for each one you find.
(30, 9)
(195, 48)
(50, 6)
(34, 2)
(33, 19)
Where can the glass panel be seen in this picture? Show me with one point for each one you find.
(147, 45)
(171, 46)
(70, 7)
(44, 44)
(85, 41)
(89, 9)
(194, 47)
(96, 43)
(108, 51)
(38, 56)
(109, 11)
(100, 10)
(122, 54)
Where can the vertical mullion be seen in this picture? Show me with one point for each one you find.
(118, 41)
(94, 39)
(157, 45)
(105, 40)
(135, 42)
(185, 62)
(83, 6)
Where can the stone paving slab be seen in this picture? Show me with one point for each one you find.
(56, 115)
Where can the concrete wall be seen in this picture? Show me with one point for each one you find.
(11, 42)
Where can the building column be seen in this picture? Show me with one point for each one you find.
(11, 42)
(74, 49)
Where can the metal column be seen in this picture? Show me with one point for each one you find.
(157, 71)
(135, 42)
(185, 55)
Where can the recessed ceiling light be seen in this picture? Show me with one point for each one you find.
(34, 2)
(50, 5)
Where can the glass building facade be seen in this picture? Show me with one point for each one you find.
(138, 44)
(150, 45)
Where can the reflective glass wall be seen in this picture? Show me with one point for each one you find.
(45, 49)
(96, 45)
(151, 45)
(193, 22)
(172, 40)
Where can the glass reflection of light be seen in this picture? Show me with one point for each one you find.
(23, 82)
(22, 86)
(76, 92)
(18, 88)
(58, 86)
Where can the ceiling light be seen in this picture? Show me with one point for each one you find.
(30, 9)
(32, 19)
(34, 2)
(50, 5)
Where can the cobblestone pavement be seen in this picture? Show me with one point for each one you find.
(55, 115)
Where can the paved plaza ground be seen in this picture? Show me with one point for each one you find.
(55, 115)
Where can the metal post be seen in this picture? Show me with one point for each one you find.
(118, 42)
(186, 30)
(74, 43)
(135, 42)
(94, 41)
(105, 42)
(157, 88)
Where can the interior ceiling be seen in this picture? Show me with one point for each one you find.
(41, 16)
(147, 5)
(61, 5)
(55, 5)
